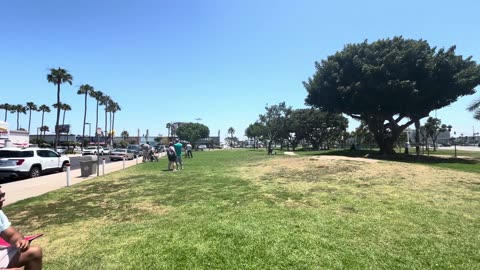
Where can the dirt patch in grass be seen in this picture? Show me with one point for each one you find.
(358, 177)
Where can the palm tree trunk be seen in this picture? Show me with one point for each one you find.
(84, 121)
(111, 130)
(29, 120)
(96, 136)
(5, 115)
(18, 119)
(58, 116)
(63, 120)
(43, 114)
(106, 122)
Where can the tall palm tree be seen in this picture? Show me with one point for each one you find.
(231, 131)
(105, 100)
(7, 108)
(65, 107)
(44, 108)
(169, 126)
(30, 107)
(97, 95)
(57, 77)
(475, 108)
(114, 107)
(124, 135)
(18, 109)
(44, 129)
(86, 90)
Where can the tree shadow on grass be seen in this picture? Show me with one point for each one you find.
(412, 158)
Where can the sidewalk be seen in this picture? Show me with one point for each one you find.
(32, 187)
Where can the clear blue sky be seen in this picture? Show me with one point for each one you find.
(221, 61)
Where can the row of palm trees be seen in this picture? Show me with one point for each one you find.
(30, 106)
(58, 77)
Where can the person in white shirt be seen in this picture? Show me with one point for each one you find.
(189, 150)
(20, 253)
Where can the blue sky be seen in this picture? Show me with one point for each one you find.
(222, 61)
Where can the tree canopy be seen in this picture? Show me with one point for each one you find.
(192, 132)
(390, 80)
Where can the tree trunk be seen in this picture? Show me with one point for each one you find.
(29, 120)
(84, 122)
(63, 120)
(18, 119)
(417, 137)
(58, 116)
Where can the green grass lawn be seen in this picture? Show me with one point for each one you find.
(241, 209)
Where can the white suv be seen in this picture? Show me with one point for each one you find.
(92, 150)
(30, 162)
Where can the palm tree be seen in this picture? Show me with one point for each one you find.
(86, 90)
(44, 129)
(7, 107)
(44, 108)
(169, 126)
(97, 95)
(31, 107)
(231, 131)
(105, 101)
(65, 107)
(114, 107)
(18, 109)
(57, 77)
(125, 135)
(475, 108)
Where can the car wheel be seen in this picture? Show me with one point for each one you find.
(35, 172)
(64, 167)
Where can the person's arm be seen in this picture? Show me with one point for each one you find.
(15, 238)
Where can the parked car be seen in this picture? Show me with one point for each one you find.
(92, 150)
(62, 150)
(30, 162)
(202, 147)
(121, 153)
(107, 150)
(136, 149)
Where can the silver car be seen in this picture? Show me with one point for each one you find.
(120, 154)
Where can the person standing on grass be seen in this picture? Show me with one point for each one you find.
(20, 253)
(172, 157)
(178, 149)
(146, 151)
(189, 150)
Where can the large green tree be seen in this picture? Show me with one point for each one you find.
(58, 77)
(275, 122)
(30, 107)
(319, 127)
(433, 128)
(255, 131)
(191, 132)
(85, 90)
(390, 84)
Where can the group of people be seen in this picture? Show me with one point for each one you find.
(149, 153)
(174, 154)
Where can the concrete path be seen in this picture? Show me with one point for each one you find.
(33, 187)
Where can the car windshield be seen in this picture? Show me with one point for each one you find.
(119, 150)
(91, 148)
